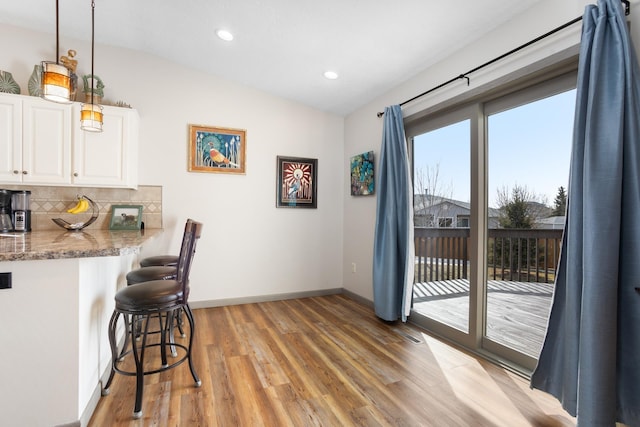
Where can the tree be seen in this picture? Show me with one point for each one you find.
(519, 208)
(560, 203)
(429, 193)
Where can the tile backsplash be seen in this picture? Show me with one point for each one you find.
(53, 202)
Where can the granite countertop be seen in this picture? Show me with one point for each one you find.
(58, 244)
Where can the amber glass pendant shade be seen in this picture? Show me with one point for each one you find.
(91, 114)
(91, 117)
(56, 82)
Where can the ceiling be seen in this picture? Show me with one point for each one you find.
(283, 47)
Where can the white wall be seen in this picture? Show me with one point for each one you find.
(249, 248)
(363, 129)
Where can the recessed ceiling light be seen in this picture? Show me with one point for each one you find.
(224, 35)
(331, 75)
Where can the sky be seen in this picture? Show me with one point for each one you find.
(529, 146)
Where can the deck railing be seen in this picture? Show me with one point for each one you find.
(524, 255)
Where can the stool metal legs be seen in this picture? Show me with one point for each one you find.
(139, 320)
(191, 320)
(139, 347)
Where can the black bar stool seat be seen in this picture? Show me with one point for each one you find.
(151, 274)
(163, 260)
(147, 274)
(151, 295)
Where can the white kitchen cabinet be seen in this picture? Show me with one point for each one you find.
(46, 142)
(10, 139)
(108, 158)
(41, 143)
(35, 141)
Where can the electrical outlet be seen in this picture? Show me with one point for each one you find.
(5, 280)
(353, 267)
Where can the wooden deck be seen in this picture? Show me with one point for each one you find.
(517, 312)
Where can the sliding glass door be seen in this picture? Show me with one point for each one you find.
(490, 188)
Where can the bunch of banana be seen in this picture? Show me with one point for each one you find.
(80, 207)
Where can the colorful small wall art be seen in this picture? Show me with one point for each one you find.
(213, 149)
(362, 182)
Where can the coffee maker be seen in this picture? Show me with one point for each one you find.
(21, 210)
(6, 223)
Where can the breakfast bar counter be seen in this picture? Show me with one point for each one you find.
(58, 244)
(58, 296)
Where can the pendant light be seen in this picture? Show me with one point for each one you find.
(56, 78)
(91, 114)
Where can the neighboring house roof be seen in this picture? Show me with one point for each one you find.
(540, 209)
(439, 206)
(427, 201)
(553, 222)
(425, 204)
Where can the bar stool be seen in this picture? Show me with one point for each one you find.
(161, 267)
(148, 274)
(145, 301)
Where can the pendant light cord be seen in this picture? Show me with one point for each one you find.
(57, 35)
(93, 10)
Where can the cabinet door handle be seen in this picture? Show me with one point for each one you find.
(16, 171)
(75, 174)
(24, 172)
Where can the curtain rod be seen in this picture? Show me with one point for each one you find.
(627, 9)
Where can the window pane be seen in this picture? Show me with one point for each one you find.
(442, 211)
(529, 150)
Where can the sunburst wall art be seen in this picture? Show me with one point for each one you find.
(362, 182)
(296, 185)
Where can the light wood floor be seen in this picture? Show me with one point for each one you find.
(326, 361)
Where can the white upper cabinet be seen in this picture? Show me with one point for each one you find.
(108, 158)
(35, 141)
(46, 142)
(41, 143)
(10, 139)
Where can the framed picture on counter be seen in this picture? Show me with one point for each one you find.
(126, 217)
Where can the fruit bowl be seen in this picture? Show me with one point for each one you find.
(83, 204)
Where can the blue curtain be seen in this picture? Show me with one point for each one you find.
(393, 251)
(590, 359)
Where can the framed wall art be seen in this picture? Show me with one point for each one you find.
(126, 217)
(218, 150)
(362, 178)
(296, 185)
